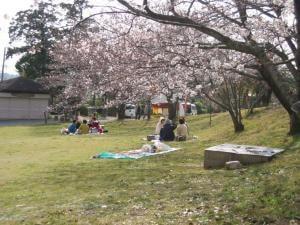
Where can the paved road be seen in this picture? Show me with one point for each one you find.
(23, 122)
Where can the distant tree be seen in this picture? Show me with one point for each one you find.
(38, 29)
(73, 17)
(258, 94)
(74, 11)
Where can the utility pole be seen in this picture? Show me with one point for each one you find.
(4, 56)
(210, 112)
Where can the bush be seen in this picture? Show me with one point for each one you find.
(83, 110)
(113, 111)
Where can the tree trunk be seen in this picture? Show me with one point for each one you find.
(297, 16)
(121, 112)
(104, 113)
(261, 99)
(237, 123)
(238, 126)
(266, 99)
(294, 124)
(294, 118)
(172, 111)
(270, 74)
(149, 110)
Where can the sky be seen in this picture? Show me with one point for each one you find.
(7, 12)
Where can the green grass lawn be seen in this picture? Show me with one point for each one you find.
(47, 178)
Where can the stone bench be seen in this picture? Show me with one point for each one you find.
(217, 156)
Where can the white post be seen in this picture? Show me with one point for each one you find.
(4, 55)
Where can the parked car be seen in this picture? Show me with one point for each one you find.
(130, 110)
(187, 109)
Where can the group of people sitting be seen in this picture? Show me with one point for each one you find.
(165, 129)
(76, 127)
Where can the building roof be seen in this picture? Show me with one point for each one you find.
(159, 99)
(22, 85)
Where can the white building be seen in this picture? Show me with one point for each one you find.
(21, 98)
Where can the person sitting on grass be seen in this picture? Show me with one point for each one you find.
(84, 128)
(181, 131)
(159, 125)
(71, 129)
(92, 120)
(78, 124)
(167, 132)
(96, 127)
(185, 123)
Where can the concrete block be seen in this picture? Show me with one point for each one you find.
(233, 165)
(217, 156)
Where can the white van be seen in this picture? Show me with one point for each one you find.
(130, 110)
(194, 109)
(187, 109)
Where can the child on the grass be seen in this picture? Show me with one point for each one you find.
(71, 129)
(84, 128)
(181, 131)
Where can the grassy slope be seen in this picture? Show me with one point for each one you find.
(48, 179)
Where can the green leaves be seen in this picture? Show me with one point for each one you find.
(38, 29)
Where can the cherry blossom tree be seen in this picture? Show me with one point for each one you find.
(102, 66)
(130, 66)
(129, 61)
(261, 29)
(208, 72)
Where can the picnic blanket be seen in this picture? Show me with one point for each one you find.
(135, 154)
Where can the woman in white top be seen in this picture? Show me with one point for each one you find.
(159, 125)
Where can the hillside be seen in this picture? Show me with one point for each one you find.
(7, 76)
(47, 178)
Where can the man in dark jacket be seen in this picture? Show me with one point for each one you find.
(167, 132)
(138, 112)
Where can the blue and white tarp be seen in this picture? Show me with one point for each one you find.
(135, 154)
